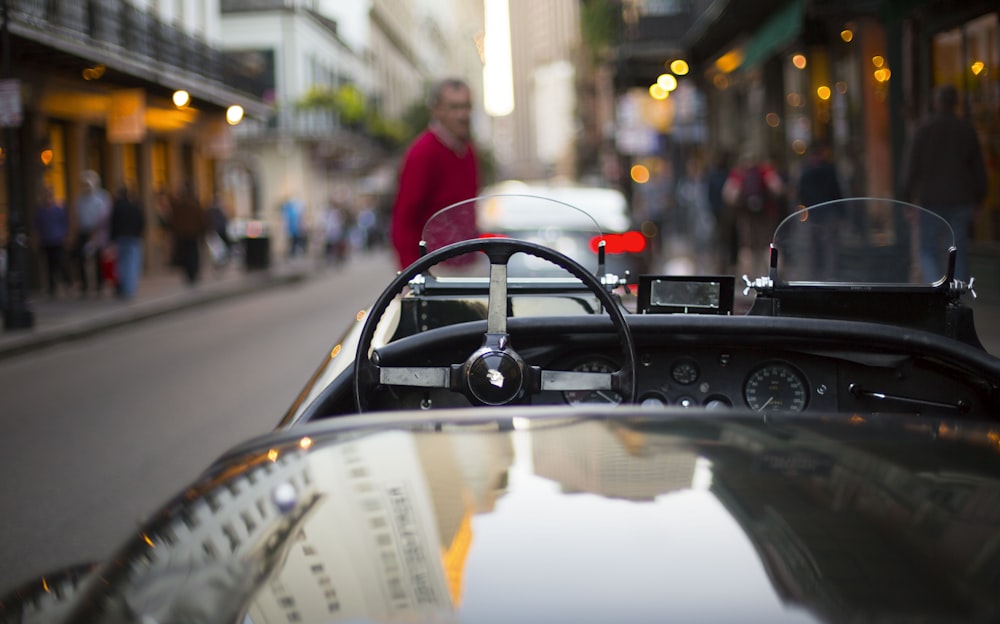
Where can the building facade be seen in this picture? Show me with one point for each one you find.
(538, 138)
(778, 75)
(94, 85)
(343, 78)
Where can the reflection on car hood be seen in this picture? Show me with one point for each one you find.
(590, 519)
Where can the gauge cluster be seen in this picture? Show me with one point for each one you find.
(719, 379)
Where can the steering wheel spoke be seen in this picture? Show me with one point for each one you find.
(418, 376)
(577, 380)
(496, 309)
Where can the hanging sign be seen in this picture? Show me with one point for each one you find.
(127, 116)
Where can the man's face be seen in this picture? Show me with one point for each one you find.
(454, 110)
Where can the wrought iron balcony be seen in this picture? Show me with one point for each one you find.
(132, 40)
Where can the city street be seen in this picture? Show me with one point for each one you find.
(97, 432)
(125, 418)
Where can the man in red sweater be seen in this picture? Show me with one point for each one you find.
(438, 170)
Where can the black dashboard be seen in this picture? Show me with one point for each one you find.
(713, 362)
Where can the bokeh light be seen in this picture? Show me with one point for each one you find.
(181, 98)
(667, 81)
(639, 173)
(234, 114)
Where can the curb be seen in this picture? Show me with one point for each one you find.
(34, 340)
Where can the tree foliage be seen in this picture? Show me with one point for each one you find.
(599, 23)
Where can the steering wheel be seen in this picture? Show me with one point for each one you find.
(494, 374)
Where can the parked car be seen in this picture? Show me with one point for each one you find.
(496, 448)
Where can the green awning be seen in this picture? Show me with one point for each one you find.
(777, 32)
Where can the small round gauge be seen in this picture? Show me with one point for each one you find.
(652, 400)
(685, 371)
(776, 387)
(607, 397)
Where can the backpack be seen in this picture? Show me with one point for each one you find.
(753, 189)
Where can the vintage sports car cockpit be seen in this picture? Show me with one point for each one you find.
(842, 320)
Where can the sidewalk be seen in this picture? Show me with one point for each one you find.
(70, 317)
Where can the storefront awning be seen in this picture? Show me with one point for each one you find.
(776, 33)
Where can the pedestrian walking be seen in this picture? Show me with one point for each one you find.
(440, 168)
(188, 225)
(52, 228)
(219, 242)
(294, 214)
(754, 190)
(944, 172)
(336, 225)
(724, 213)
(128, 226)
(93, 212)
(819, 182)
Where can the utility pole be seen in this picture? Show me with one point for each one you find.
(17, 314)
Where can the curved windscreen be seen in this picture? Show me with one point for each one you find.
(547, 221)
(863, 241)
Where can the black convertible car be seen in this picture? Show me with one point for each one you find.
(576, 446)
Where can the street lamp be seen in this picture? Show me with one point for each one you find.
(234, 114)
(181, 98)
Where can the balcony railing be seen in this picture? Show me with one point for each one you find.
(120, 27)
(293, 123)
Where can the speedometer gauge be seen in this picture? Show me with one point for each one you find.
(776, 387)
(603, 397)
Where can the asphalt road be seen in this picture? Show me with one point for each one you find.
(97, 432)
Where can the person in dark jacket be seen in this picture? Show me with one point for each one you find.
(188, 224)
(944, 172)
(819, 182)
(52, 227)
(128, 225)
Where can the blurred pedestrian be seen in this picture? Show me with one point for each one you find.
(819, 182)
(188, 225)
(440, 168)
(161, 210)
(754, 189)
(364, 228)
(944, 172)
(335, 228)
(93, 213)
(128, 226)
(52, 227)
(725, 215)
(294, 214)
(220, 243)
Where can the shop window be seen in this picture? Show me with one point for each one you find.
(968, 57)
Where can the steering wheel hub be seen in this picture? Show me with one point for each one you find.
(495, 377)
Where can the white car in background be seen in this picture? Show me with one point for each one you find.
(599, 214)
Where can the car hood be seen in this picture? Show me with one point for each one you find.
(573, 517)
